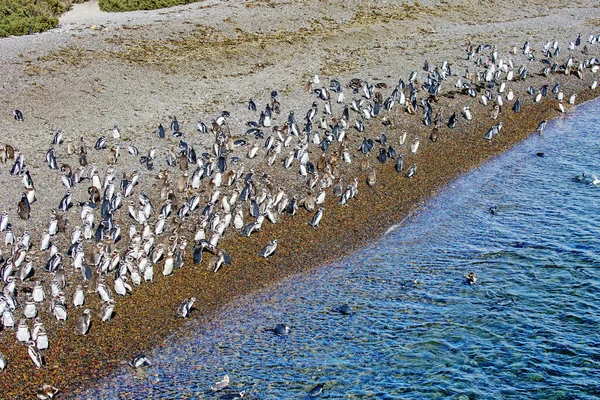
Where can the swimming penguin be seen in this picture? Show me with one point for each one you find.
(280, 329)
(18, 115)
(83, 322)
(139, 360)
(185, 307)
(316, 390)
(222, 384)
(269, 249)
(344, 309)
(471, 278)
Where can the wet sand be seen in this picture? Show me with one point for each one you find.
(139, 69)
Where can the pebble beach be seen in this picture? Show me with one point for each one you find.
(140, 69)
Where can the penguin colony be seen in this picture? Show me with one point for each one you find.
(114, 230)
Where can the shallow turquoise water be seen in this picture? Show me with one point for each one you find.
(529, 328)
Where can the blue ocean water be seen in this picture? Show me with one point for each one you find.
(529, 327)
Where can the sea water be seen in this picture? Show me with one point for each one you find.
(529, 327)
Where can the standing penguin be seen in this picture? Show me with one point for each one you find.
(83, 323)
(24, 208)
(269, 249)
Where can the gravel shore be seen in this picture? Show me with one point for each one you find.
(139, 69)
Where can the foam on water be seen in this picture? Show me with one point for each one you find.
(528, 328)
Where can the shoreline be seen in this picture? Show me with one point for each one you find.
(145, 318)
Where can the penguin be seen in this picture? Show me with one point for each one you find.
(412, 170)
(316, 219)
(174, 125)
(161, 131)
(35, 354)
(344, 309)
(2, 362)
(185, 308)
(83, 323)
(107, 310)
(222, 384)
(18, 115)
(58, 137)
(517, 106)
(66, 202)
(316, 390)
(24, 209)
(471, 278)
(269, 249)
(78, 296)
(382, 157)
(23, 334)
(47, 392)
(371, 178)
(100, 143)
(222, 257)
(280, 330)
(541, 126)
(42, 339)
(140, 360)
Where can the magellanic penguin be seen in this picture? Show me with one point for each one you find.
(185, 308)
(269, 249)
(83, 322)
(316, 219)
(222, 384)
(139, 360)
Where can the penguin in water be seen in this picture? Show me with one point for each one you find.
(222, 384)
(269, 249)
(139, 360)
(471, 278)
(280, 330)
(344, 309)
(316, 390)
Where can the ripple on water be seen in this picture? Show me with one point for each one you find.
(528, 328)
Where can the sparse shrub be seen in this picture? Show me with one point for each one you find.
(130, 5)
(21, 17)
